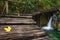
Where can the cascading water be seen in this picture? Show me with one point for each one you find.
(50, 30)
(49, 26)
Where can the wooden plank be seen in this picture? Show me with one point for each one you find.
(43, 38)
(15, 16)
(16, 20)
(20, 31)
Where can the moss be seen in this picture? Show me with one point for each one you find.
(55, 25)
(43, 21)
(59, 16)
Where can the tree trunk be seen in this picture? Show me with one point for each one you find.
(6, 4)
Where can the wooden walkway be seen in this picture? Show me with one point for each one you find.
(23, 28)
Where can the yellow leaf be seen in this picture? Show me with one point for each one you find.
(8, 29)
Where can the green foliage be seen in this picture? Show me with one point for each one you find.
(1, 3)
(31, 5)
(22, 5)
(54, 35)
(59, 16)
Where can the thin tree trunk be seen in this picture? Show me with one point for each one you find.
(6, 4)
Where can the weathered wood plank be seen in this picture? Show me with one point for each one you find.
(43, 38)
(20, 31)
(16, 20)
(15, 16)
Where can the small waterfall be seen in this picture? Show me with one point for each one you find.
(49, 26)
(49, 23)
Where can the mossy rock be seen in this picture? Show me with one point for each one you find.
(41, 20)
(55, 25)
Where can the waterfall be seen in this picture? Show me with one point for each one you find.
(49, 26)
(49, 23)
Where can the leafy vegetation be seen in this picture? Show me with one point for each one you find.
(54, 35)
(33, 5)
(1, 3)
(30, 6)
